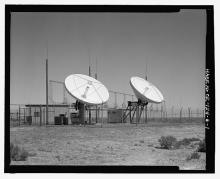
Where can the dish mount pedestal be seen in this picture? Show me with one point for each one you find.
(135, 107)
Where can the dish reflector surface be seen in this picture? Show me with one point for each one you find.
(145, 91)
(86, 89)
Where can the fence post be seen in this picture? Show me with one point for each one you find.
(19, 115)
(40, 116)
(180, 114)
(115, 99)
(96, 114)
(152, 112)
(189, 112)
(172, 112)
(35, 115)
(124, 101)
(146, 114)
(102, 116)
(43, 115)
(24, 115)
(17, 118)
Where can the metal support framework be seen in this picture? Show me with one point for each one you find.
(133, 106)
(140, 112)
(146, 114)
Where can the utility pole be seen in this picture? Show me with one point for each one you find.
(89, 75)
(96, 77)
(47, 88)
(147, 103)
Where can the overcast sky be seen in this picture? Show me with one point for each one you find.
(171, 44)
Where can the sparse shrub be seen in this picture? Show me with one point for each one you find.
(194, 139)
(167, 142)
(17, 153)
(193, 155)
(31, 154)
(57, 157)
(137, 144)
(202, 146)
(141, 141)
(185, 142)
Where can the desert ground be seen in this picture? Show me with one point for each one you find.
(111, 144)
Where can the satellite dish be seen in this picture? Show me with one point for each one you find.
(86, 89)
(145, 91)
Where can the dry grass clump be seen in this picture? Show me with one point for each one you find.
(193, 155)
(185, 142)
(170, 142)
(17, 153)
(167, 142)
(202, 146)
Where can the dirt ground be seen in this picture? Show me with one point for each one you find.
(111, 144)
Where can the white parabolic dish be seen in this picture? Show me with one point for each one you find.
(86, 89)
(145, 91)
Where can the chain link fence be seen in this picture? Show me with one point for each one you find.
(62, 104)
(26, 115)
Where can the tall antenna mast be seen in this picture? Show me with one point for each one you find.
(89, 75)
(89, 63)
(47, 86)
(146, 71)
(96, 77)
(47, 49)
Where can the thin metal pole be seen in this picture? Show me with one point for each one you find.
(40, 116)
(96, 67)
(24, 115)
(35, 114)
(102, 115)
(172, 112)
(29, 111)
(89, 110)
(64, 94)
(43, 116)
(96, 114)
(189, 113)
(146, 114)
(124, 99)
(19, 115)
(47, 91)
(96, 108)
(130, 113)
(17, 118)
(115, 99)
(137, 113)
(180, 114)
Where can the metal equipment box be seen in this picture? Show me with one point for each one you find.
(57, 120)
(115, 115)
